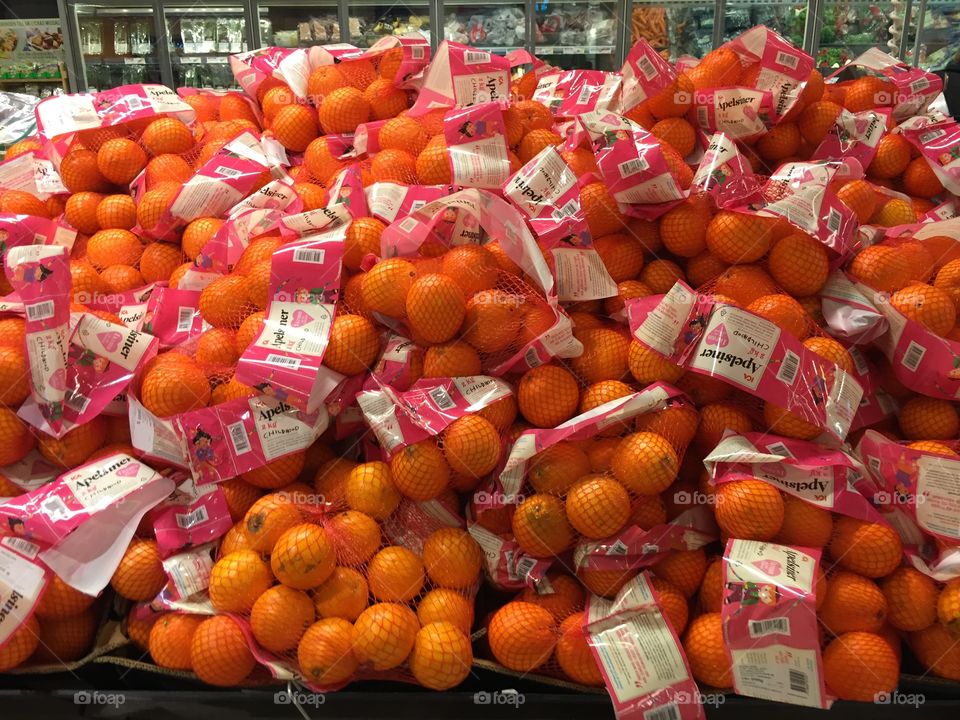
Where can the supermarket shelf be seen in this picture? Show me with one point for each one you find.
(475, 3)
(393, 7)
(575, 49)
(21, 81)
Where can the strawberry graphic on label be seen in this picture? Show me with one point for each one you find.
(718, 337)
(58, 380)
(301, 318)
(110, 340)
(749, 113)
(130, 470)
(770, 568)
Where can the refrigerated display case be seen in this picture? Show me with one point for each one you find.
(285, 23)
(200, 40)
(674, 27)
(784, 17)
(370, 20)
(847, 29)
(112, 43)
(497, 27)
(937, 46)
(575, 34)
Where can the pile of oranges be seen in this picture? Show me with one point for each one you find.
(348, 559)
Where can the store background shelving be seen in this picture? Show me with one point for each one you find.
(116, 41)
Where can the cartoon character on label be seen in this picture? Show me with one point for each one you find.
(694, 329)
(32, 273)
(52, 412)
(751, 593)
(343, 195)
(719, 175)
(203, 453)
(270, 390)
(18, 528)
(89, 359)
(305, 296)
(476, 129)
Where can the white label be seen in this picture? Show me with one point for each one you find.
(581, 275)
(481, 87)
(767, 563)
(938, 499)
(736, 345)
(190, 571)
(297, 328)
(238, 438)
(480, 390)
(185, 521)
(661, 328)
(104, 483)
(779, 673)
(280, 427)
(20, 584)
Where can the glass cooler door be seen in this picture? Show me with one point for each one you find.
(370, 20)
(497, 26)
(577, 33)
(939, 29)
(113, 45)
(200, 40)
(674, 27)
(782, 16)
(287, 24)
(847, 29)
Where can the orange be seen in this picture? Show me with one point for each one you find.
(355, 535)
(860, 197)
(435, 308)
(683, 228)
(799, 264)
(780, 142)
(362, 239)
(804, 524)
(548, 395)
(500, 413)
(386, 100)
(535, 141)
(648, 366)
(852, 602)
(605, 583)
(420, 471)
(81, 211)
(452, 559)
(749, 509)
(303, 557)
(621, 254)
(276, 474)
(343, 594)
(891, 158)
(868, 92)
(165, 168)
(711, 589)
(562, 598)
(923, 418)
(522, 636)
(600, 210)
(472, 267)
(79, 172)
(882, 267)
(154, 204)
(240, 497)
(121, 278)
(597, 506)
(237, 580)
(217, 348)
(441, 657)
(492, 320)
(870, 549)
(403, 133)
(706, 651)
(937, 649)
(60, 600)
(684, 569)
(14, 376)
(648, 511)
(384, 634)
(911, 599)
(672, 602)
(601, 393)
(737, 239)
(446, 605)
(930, 306)
(159, 260)
(172, 389)
(267, 519)
(830, 349)
(783, 422)
(170, 639)
(324, 80)
(167, 135)
(342, 110)
(74, 447)
(219, 654)
(817, 119)
(677, 423)
(257, 251)
(20, 645)
(678, 133)
(859, 666)
(394, 165)
(433, 163)
(224, 303)
(13, 331)
(358, 72)
(932, 447)
(295, 126)
(274, 99)
(369, 489)
(114, 247)
(471, 446)
(645, 462)
(325, 654)
(331, 478)
(140, 575)
(661, 275)
(198, 233)
(744, 284)
(353, 345)
(920, 180)
(581, 161)
(114, 211)
(395, 574)
(626, 290)
(540, 526)
(894, 212)
(386, 286)
(557, 468)
(22, 146)
(948, 605)
(574, 655)
(64, 640)
(120, 160)
(783, 311)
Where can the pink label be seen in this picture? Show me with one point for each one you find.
(289, 65)
(173, 316)
(741, 113)
(460, 76)
(477, 146)
(506, 566)
(569, 93)
(645, 74)
(770, 622)
(759, 357)
(640, 656)
(854, 135)
(284, 361)
(938, 141)
(396, 366)
(547, 192)
(23, 578)
(632, 164)
(389, 201)
(914, 88)
(193, 516)
(725, 174)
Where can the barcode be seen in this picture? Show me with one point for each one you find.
(307, 255)
(618, 548)
(928, 137)
(184, 319)
(586, 92)
(874, 463)
(417, 52)
(646, 67)
(667, 712)
(570, 208)
(779, 449)
(55, 508)
(238, 436)
(40, 311)
(442, 398)
(799, 682)
(702, 118)
(283, 361)
(416, 205)
(531, 357)
(228, 172)
(913, 356)
(24, 547)
(632, 167)
(788, 369)
(75, 400)
(859, 361)
(773, 626)
(135, 103)
(787, 60)
(833, 220)
(525, 565)
(188, 520)
(918, 85)
(473, 57)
